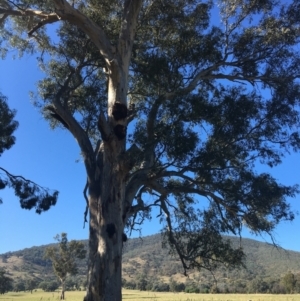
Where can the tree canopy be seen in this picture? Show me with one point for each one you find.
(173, 104)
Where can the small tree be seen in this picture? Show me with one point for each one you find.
(141, 283)
(258, 285)
(43, 285)
(64, 258)
(30, 285)
(6, 283)
(289, 282)
(49, 286)
(19, 286)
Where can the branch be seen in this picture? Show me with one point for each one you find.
(128, 27)
(132, 188)
(48, 20)
(131, 114)
(74, 127)
(31, 195)
(29, 12)
(2, 19)
(66, 12)
(20, 177)
(208, 74)
(16, 5)
(141, 208)
(140, 177)
(194, 82)
(192, 254)
(132, 157)
(225, 220)
(80, 135)
(188, 189)
(87, 202)
(171, 237)
(140, 203)
(54, 115)
(150, 148)
(103, 127)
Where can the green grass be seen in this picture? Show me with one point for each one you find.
(131, 295)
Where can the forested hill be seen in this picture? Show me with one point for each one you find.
(146, 258)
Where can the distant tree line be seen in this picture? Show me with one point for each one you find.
(8, 284)
(287, 284)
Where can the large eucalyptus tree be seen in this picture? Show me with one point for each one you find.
(173, 104)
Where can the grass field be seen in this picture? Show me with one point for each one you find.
(130, 295)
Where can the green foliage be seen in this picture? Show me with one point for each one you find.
(30, 284)
(19, 286)
(72, 284)
(141, 283)
(160, 287)
(289, 282)
(7, 126)
(6, 283)
(176, 287)
(259, 285)
(49, 286)
(30, 194)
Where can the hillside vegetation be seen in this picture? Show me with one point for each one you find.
(147, 266)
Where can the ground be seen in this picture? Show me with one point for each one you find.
(133, 295)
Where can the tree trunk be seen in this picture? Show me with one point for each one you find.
(105, 241)
(107, 206)
(62, 295)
